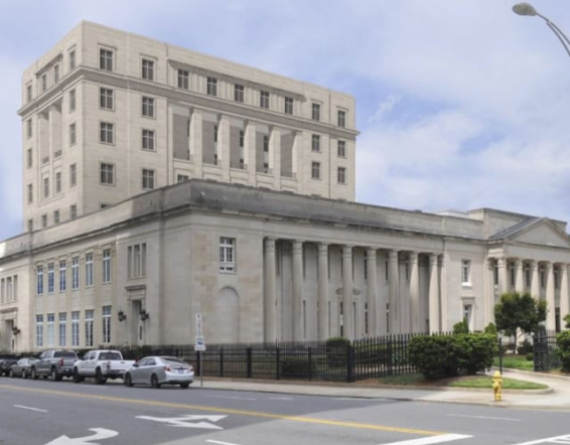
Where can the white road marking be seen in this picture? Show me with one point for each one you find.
(281, 398)
(432, 440)
(31, 409)
(361, 399)
(558, 439)
(184, 421)
(486, 417)
(220, 443)
(100, 434)
(232, 398)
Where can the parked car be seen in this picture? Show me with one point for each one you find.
(101, 365)
(22, 367)
(55, 364)
(156, 371)
(6, 362)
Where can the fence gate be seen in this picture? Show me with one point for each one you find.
(545, 357)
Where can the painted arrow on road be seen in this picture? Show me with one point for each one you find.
(100, 434)
(186, 421)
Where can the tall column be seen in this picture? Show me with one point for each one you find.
(297, 290)
(224, 147)
(323, 291)
(519, 281)
(503, 276)
(270, 291)
(347, 312)
(434, 323)
(564, 302)
(196, 148)
(490, 291)
(372, 292)
(249, 155)
(394, 292)
(275, 156)
(535, 284)
(550, 299)
(414, 309)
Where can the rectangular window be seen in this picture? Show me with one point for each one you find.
(89, 270)
(341, 148)
(29, 130)
(238, 93)
(56, 217)
(106, 266)
(107, 174)
(106, 98)
(264, 99)
(75, 273)
(212, 86)
(58, 182)
(89, 328)
(183, 79)
(29, 93)
(341, 118)
(50, 330)
(542, 277)
(46, 188)
(148, 69)
(106, 312)
(182, 178)
(341, 175)
(72, 135)
(148, 106)
(107, 133)
(71, 60)
(44, 82)
(39, 331)
(40, 280)
(137, 261)
(62, 276)
(72, 101)
(56, 74)
(316, 112)
(44, 221)
(75, 328)
(72, 175)
(556, 281)
(227, 255)
(106, 59)
(466, 271)
(316, 143)
(30, 225)
(62, 329)
(29, 158)
(30, 193)
(512, 274)
(51, 278)
(148, 179)
(527, 275)
(288, 105)
(316, 170)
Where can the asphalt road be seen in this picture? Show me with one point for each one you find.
(41, 412)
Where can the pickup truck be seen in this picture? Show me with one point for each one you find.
(54, 363)
(101, 365)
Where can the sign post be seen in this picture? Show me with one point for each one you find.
(200, 344)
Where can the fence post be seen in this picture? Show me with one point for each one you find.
(349, 363)
(501, 355)
(390, 353)
(277, 363)
(310, 365)
(198, 363)
(221, 362)
(249, 364)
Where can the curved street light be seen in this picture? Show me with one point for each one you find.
(527, 9)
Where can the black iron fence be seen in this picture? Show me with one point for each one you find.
(544, 350)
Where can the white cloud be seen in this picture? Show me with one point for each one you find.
(384, 108)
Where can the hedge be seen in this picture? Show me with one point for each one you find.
(297, 368)
(563, 349)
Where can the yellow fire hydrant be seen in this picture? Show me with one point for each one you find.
(498, 386)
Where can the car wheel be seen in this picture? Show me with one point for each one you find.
(184, 385)
(33, 374)
(99, 379)
(11, 374)
(76, 376)
(128, 381)
(154, 381)
(53, 375)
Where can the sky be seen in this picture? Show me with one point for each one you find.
(461, 104)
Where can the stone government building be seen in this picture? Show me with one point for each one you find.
(159, 183)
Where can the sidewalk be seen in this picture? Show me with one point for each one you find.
(557, 398)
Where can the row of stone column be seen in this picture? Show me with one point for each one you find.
(404, 312)
(503, 284)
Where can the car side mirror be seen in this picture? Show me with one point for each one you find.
(135, 365)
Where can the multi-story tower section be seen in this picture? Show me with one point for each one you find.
(108, 115)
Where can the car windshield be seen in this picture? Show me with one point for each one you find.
(64, 354)
(110, 356)
(174, 361)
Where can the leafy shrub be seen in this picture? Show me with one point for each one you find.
(563, 349)
(371, 354)
(525, 348)
(491, 329)
(337, 348)
(475, 352)
(529, 357)
(461, 328)
(297, 367)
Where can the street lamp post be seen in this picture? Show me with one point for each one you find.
(528, 10)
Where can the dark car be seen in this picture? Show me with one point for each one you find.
(23, 367)
(6, 362)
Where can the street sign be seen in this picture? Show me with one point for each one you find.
(199, 343)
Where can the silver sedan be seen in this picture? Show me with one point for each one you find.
(22, 367)
(156, 371)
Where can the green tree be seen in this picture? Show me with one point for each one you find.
(567, 321)
(516, 311)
